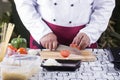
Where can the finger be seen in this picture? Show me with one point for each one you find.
(76, 40)
(50, 46)
(47, 45)
(55, 44)
(83, 47)
(83, 43)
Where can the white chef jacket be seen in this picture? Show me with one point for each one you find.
(95, 14)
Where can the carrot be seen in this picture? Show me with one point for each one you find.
(65, 53)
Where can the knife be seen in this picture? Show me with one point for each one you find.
(72, 50)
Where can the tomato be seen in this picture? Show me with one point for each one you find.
(22, 50)
(74, 46)
(65, 53)
(12, 48)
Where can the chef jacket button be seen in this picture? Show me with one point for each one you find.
(72, 5)
(70, 22)
(55, 3)
(54, 19)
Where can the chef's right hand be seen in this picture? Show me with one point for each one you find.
(49, 41)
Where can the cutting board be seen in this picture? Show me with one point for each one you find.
(86, 55)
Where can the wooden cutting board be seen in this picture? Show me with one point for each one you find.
(85, 55)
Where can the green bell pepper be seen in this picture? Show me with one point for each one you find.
(19, 42)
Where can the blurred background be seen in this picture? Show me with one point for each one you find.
(110, 38)
(8, 14)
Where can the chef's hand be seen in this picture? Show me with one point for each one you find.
(49, 41)
(82, 40)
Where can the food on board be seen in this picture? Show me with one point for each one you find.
(75, 46)
(65, 53)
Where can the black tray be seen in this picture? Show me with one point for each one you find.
(114, 54)
(114, 57)
(67, 65)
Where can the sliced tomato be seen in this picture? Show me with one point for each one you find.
(22, 50)
(12, 48)
(74, 46)
(65, 53)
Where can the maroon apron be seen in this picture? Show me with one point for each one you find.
(65, 35)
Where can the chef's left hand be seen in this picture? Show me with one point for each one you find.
(82, 40)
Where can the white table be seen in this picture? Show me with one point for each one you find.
(101, 69)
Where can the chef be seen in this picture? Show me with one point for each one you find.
(53, 22)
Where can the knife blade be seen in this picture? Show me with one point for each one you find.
(72, 50)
